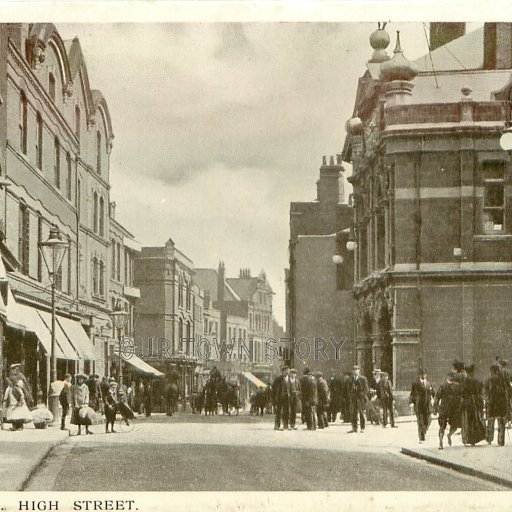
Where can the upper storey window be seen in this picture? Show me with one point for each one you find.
(494, 197)
(23, 122)
(98, 152)
(39, 147)
(51, 86)
(77, 122)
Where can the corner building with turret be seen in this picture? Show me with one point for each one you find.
(432, 193)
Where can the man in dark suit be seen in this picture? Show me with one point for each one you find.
(309, 392)
(385, 396)
(358, 392)
(281, 398)
(421, 397)
(294, 386)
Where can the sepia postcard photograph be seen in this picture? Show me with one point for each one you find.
(253, 252)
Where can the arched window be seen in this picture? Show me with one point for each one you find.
(51, 86)
(98, 152)
(57, 163)
(23, 122)
(180, 332)
(69, 181)
(95, 213)
(77, 122)
(102, 217)
(39, 144)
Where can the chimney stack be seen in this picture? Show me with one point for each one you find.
(329, 187)
(497, 45)
(443, 33)
(220, 284)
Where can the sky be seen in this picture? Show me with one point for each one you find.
(219, 126)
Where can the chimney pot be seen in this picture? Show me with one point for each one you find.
(324, 160)
(331, 161)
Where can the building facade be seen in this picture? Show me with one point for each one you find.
(319, 303)
(56, 135)
(169, 316)
(433, 224)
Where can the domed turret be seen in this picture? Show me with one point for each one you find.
(398, 68)
(379, 41)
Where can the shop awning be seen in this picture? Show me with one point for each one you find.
(14, 312)
(78, 338)
(68, 350)
(142, 366)
(254, 380)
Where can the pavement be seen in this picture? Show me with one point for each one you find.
(491, 463)
(22, 452)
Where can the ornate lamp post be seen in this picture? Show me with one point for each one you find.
(53, 250)
(119, 317)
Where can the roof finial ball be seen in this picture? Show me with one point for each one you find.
(379, 41)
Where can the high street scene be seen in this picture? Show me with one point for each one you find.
(255, 257)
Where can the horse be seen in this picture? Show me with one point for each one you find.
(171, 394)
(197, 403)
(210, 398)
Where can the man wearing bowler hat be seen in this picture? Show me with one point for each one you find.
(358, 391)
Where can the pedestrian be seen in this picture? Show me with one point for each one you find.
(422, 393)
(81, 413)
(309, 391)
(473, 425)
(104, 388)
(280, 399)
(358, 393)
(448, 404)
(507, 382)
(130, 391)
(65, 399)
(14, 406)
(324, 399)
(497, 404)
(345, 397)
(111, 402)
(15, 374)
(386, 399)
(94, 391)
(147, 397)
(294, 386)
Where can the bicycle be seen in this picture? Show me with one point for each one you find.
(124, 424)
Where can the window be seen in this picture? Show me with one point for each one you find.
(23, 122)
(102, 217)
(23, 238)
(126, 281)
(95, 213)
(39, 240)
(39, 144)
(51, 86)
(70, 176)
(77, 122)
(494, 197)
(79, 196)
(102, 278)
(113, 263)
(95, 276)
(98, 152)
(57, 163)
(70, 261)
(118, 276)
(180, 292)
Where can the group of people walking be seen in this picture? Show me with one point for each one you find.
(464, 402)
(320, 400)
(89, 396)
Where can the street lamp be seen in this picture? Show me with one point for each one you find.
(53, 250)
(119, 317)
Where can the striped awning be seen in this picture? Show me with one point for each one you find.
(254, 380)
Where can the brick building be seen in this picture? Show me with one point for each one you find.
(56, 138)
(169, 316)
(319, 304)
(433, 224)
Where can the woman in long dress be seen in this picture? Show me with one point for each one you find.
(15, 407)
(473, 426)
(81, 414)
